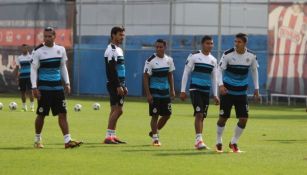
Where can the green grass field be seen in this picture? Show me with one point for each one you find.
(275, 142)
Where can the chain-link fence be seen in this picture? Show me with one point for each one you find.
(84, 28)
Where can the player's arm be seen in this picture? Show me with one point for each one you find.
(114, 80)
(64, 72)
(214, 78)
(147, 73)
(185, 76)
(255, 77)
(170, 77)
(221, 67)
(33, 75)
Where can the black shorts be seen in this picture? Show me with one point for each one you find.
(240, 103)
(25, 84)
(114, 98)
(51, 99)
(160, 107)
(200, 102)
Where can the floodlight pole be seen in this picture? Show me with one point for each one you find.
(79, 45)
(170, 38)
(219, 46)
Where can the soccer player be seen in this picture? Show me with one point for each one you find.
(23, 64)
(115, 70)
(159, 88)
(48, 68)
(233, 84)
(203, 68)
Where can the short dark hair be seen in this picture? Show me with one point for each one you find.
(49, 29)
(117, 29)
(24, 45)
(206, 38)
(161, 41)
(242, 36)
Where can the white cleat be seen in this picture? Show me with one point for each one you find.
(201, 145)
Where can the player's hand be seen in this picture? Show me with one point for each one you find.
(149, 98)
(183, 96)
(36, 93)
(216, 100)
(256, 95)
(125, 91)
(67, 89)
(173, 94)
(223, 90)
(120, 91)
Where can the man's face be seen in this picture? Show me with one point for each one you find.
(239, 44)
(208, 45)
(119, 37)
(160, 48)
(49, 38)
(24, 49)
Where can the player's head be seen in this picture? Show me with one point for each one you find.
(160, 47)
(24, 49)
(118, 34)
(207, 43)
(49, 36)
(241, 41)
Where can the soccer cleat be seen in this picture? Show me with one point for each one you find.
(24, 109)
(118, 141)
(156, 143)
(234, 148)
(109, 140)
(201, 145)
(38, 145)
(32, 109)
(73, 144)
(219, 148)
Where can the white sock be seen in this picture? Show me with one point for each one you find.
(198, 137)
(219, 133)
(67, 138)
(110, 133)
(155, 137)
(238, 132)
(24, 105)
(38, 138)
(31, 105)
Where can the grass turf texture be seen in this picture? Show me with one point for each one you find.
(275, 142)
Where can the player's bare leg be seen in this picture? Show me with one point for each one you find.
(162, 121)
(198, 124)
(39, 124)
(154, 131)
(31, 100)
(63, 123)
(23, 99)
(111, 138)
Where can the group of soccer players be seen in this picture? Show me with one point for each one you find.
(47, 69)
(230, 76)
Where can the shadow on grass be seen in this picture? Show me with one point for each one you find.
(289, 141)
(23, 148)
(191, 153)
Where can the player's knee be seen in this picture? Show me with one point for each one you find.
(242, 123)
(119, 112)
(222, 122)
